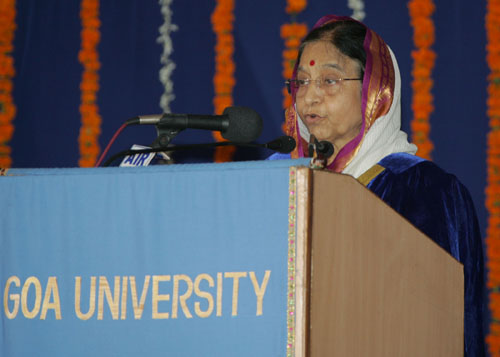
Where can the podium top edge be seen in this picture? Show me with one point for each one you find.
(228, 166)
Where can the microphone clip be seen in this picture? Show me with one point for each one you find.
(164, 136)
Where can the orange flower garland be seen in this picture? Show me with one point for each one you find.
(224, 81)
(493, 176)
(423, 63)
(7, 72)
(292, 33)
(295, 6)
(89, 86)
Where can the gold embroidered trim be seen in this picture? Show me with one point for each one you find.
(370, 174)
(292, 211)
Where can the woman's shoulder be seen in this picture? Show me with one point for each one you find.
(433, 200)
(412, 183)
(414, 171)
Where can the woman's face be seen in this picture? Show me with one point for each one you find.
(332, 114)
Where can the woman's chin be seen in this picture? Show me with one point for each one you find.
(320, 136)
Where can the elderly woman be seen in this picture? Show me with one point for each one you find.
(346, 90)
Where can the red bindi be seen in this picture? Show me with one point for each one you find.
(312, 63)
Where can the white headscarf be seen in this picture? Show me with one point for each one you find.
(384, 137)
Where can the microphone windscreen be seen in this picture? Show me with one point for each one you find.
(245, 124)
(325, 148)
(284, 144)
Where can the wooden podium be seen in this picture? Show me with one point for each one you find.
(370, 283)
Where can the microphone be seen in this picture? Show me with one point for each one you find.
(325, 148)
(237, 124)
(284, 144)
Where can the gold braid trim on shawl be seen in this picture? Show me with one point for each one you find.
(370, 174)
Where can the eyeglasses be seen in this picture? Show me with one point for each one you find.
(329, 85)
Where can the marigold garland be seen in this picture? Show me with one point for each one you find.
(423, 63)
(493, 173)
(292, 33)
(224, 81)
(7, 72)
(89, 86)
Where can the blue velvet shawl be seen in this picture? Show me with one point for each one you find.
(441, 207)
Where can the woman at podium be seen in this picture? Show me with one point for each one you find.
(346, 90)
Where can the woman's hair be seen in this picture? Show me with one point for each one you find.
(347, 36)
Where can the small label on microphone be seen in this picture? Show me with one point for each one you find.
(139, 159)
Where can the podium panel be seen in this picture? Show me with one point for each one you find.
(184, 260)
(378, 286)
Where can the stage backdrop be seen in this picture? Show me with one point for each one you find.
(48, 74)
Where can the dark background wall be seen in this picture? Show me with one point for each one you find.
(46, 87)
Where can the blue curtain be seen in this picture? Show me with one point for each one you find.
(46, 87)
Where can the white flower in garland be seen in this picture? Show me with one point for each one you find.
(358, 9)
(168, 66)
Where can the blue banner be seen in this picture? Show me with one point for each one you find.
(183, 260)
